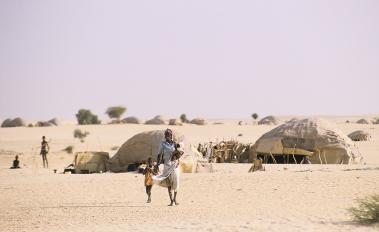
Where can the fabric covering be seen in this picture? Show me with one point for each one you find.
(91, 162)
(311, 137)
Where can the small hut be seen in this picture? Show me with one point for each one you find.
(131, 120)
(199, 121)
(140, 147)
(312, 137)
(364, 121)
(359, 135)
(91, 162)
(269, 120)
(157, 120)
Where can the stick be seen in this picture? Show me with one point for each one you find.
(273, 158)
(319, 156)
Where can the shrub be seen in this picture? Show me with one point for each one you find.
(85, 117)
(68, 149)
(81, 135)
(184, 118)
(115, 112)
(367, 211)
(254, 116)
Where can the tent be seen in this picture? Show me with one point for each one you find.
(312, 137)
(157, 120)
(16, 122)
(364, 121)
(359, 135)
(131, 120)
(269, 120)
(199, 121)
(91, 162)
(140, 147)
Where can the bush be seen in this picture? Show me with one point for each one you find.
(81, 135)
(254, 116)
(184, 118)
(85, 117)
(68, 149)
(115, 112)
(367, 211)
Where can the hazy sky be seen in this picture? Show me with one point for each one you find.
(214, 59)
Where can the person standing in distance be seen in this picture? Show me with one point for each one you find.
(44, 150)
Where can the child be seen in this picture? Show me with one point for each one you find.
(149, 171)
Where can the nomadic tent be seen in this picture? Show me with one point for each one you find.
(199, 121)
(16, 122)
(91, 162)
(269, 120)
(175, 122)
(359, 135)
(364, 121)
(131, 120)
(157, 120)
(312, 137)
(140, 147)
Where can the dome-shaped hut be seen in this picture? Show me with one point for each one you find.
(269, 120)
(359, 135)
(140, 147)
(315, 138)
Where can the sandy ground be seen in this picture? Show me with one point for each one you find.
(282, 198)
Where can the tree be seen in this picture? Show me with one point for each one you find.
(254, 116)
(115, 112)
(85, 117)
(81, 135)
(184, 118)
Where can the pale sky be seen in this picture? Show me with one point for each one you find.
(215, 59)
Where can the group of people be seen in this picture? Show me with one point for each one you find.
(168, 155)
(43, 152)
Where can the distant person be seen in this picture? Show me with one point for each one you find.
(149, 171)
(305, 160)
(44, 150)
(16, 163)
(209, 152)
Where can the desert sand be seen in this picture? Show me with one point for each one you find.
(282, 198)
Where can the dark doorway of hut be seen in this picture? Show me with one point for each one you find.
(280, 159)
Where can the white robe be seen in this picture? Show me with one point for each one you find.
(170, 175)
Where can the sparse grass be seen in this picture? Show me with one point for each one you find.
(69, 149)
(367, 211)
(81, 135)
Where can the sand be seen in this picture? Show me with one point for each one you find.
(282, 198)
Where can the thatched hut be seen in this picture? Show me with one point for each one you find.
(359, 135)
(140, 147)
(91, 162)
(55, 121)
(157, 120)
(269, 120)
(175, 122)
(364, 121)
(315, 138)
(199, 121)
(131, 120)
(16, 122)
